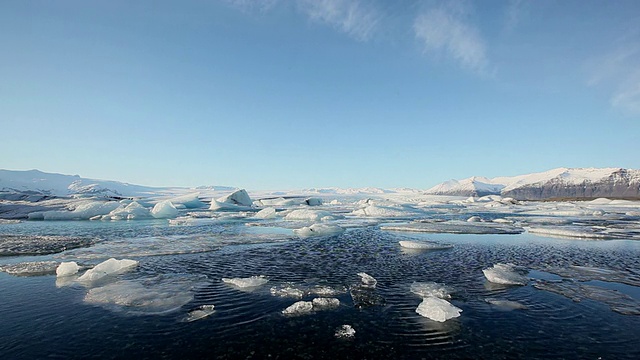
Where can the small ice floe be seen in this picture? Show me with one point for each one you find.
(146, 296)
(164, 210)
(381, 211)
(299, 308)
(423, 245)
(309, 215)
(506, 304)
(345, 332)
(325, 303)
(199, 313)
(576, 291)
(318, 230)
(266, 213)
(368, 280)
(253, 281)
(11, 245)
(67, 269)
(437, 309)
(32, 268)
(431, 289)
(307, 307)
(287, 291)
(313, 201)
(456, 227)
(574, 232)
(474, 219)
(506, 274)
(106, 268)
(9, 221)
(325, 290)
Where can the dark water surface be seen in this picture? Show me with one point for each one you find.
(40, 320)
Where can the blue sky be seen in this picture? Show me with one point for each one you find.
(298, 94)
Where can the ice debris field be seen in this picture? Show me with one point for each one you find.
(195, 257)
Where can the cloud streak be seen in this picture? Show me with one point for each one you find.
(356, 18)
(620, 71)
(444, 30)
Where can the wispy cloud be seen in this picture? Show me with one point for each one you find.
(252, 5)
(445, 30)
(356, 18)
(513, 14)
(619, 70)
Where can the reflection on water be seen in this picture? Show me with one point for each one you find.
(180, 274)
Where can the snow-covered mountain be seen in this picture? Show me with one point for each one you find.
(36, 182)
(552, 184)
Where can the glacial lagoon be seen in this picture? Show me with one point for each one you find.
(580, 299)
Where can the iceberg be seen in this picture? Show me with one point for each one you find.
(380, 211)
(238, 198)
(266, 213)
(106, 268)
(313, 201)
(67, 269)
(133, 211)
(164, 210)
(506, 274)
(189, 201)
(318, 230)
(437, 309)
(345, 332)
(309, 215)
(299, 308)
(249, 282)
(431, 289)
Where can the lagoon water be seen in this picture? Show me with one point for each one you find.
(565, 311)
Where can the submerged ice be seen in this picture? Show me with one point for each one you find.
(253, 281)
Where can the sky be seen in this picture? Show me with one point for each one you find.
(278, 94)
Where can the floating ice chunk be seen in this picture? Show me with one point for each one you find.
(474, 219)
(431, 289)
(199, 313)
(313, 201)
(424, 245)
(108, 267)
(325, 303)
(287, 290)
(437, 309)
(266, 213)
(253, 281)
(506, 304)
(164, 210)
(157, 295)
(238, 197)
(324, 290)
(67, 269)
(132, 211)
(309, 215)
(502, 221)
(368, 280)
(189, 201)
(278, 202)
(506, 274)
(575, 232)
(380, 211)
(345, 332)
(456, 227)
(318, 230)
(299, 308)
(32, 268)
